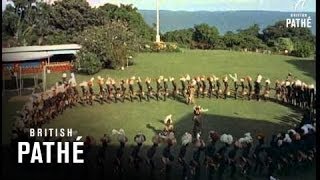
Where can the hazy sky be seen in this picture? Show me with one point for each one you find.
(212, 5)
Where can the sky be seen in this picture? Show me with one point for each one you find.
(212, 5)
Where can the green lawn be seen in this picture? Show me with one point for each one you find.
(225, 116)
(102, 118)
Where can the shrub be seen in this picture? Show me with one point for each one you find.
(88, 63)
(303, 49)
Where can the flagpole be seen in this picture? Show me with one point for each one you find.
(158, 23)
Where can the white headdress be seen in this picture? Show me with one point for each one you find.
(259, 78)
(226, 138)
(311, 86)
(307, 127)
(120, 135)
(235, 77)
(186, 138)
(287, 138)
(64, 75)
(188, 77)
(194, 82)
(292, 131)
(268, 81)
(168, 118)
(298, 82)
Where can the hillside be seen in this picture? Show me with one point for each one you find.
(223, 20)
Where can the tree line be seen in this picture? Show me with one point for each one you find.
(108, 34)
(111, 35)
(298, 42)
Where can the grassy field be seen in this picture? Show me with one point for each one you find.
(225, 116)
(105, 117)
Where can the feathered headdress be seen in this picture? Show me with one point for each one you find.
(268, 81)
(247, 139)
(225, 79)
(259, 78)
(188, 78)
(311, 86)
(200, 108)
(194, 82)
(287, 138)
(287, 83)
(292, 131)
(234, 78)
(186, 138)
(307, 127)
(215, 78)
(120, 135)
(168, 119)
(226, 138)
(297, 83)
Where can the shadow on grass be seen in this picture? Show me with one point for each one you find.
(308, 67)
(91, 169)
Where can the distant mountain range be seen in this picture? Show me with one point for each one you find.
(223, 20)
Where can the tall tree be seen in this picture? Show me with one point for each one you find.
(205, 35)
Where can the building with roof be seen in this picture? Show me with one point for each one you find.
(34, 61)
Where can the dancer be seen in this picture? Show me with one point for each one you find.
(235, 82)
(135, 158)
(186, 139)
(175, 91)
(257, 87)
(266, 93)
(149, 88)
(250, 89)
(168, 122)
(118, 168)
(227, 139)
(195, 164)
(226, 90)
(151, 152)
(197, 119)
(211, 160)
(141, 92)
(165, 86)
